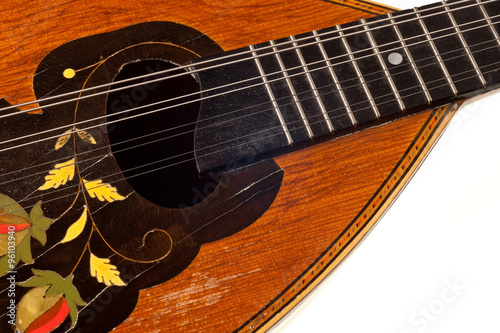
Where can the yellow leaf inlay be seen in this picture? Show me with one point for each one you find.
(76, 228)
(104, 272)
(102, 191)
(63, 139)
(86, 136)
(59, 175)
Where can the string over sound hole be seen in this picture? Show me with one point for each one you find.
(151, 129)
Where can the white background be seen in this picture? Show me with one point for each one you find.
(443, 230)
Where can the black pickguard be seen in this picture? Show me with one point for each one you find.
(148, 243)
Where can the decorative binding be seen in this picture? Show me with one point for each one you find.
(365, 6)
(359, 227)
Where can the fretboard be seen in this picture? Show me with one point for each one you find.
(284, 92)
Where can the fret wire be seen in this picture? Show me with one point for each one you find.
(162, 167)
(292, 89)
(411, 60)
(224, 86)
(381, 96)
(168, 71)
(169, 107)
(335, 79)
(271, 95)
(464, 43)
(377, 53)
(358, 71)
(488, 19)
(436, 53)
(312, 84)
(412, 94)
(252, 79)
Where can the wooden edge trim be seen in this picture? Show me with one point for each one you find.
(375, 3)
(359, 227)
(365, 6)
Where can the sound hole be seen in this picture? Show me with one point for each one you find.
(155, 149)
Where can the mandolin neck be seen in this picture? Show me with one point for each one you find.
(291, 90)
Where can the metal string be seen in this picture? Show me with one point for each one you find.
(192, 159)
(177, 69)
(223, 86)
(244, 52)
(266, 110)
(245, 115)
(252, 134)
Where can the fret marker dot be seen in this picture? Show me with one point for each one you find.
(69, 73)
(395, 58)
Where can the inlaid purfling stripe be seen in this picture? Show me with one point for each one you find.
(292, 90)
(436, 53)
(271, 95)
(335, 80)
(365, 6)
(359, 226)
(411, 60)
(311, 83)
(377, 53)
(464, 43)
(358, 72)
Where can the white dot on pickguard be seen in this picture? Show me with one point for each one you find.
(395, 58)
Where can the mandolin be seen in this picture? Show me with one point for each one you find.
(187, 168)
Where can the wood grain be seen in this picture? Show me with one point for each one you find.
(32, 31)
(324, 189)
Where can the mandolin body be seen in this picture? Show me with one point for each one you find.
(282, 224)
